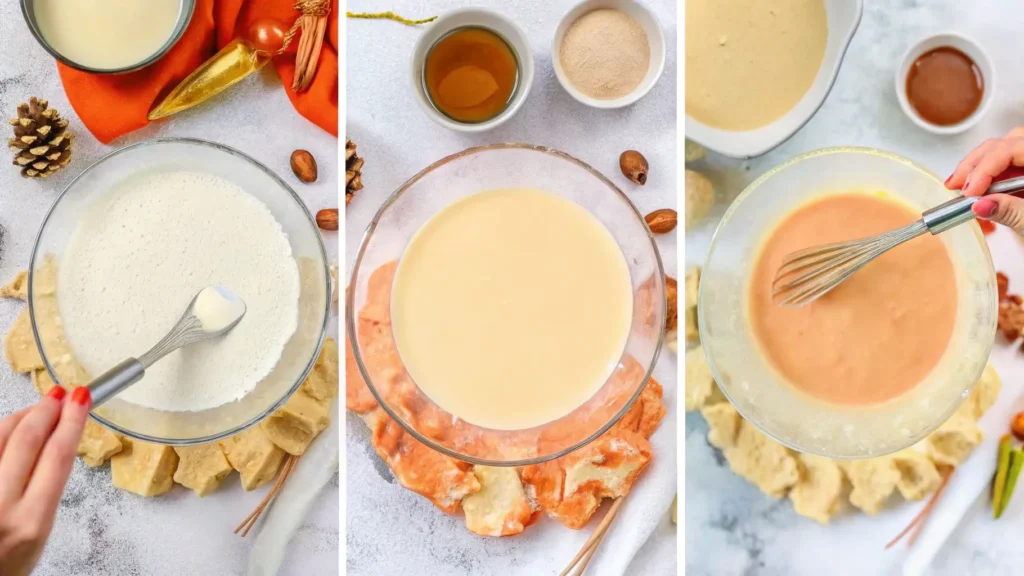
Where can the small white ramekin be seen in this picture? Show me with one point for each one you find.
(482, 18)
(969, 47)
(655, 37)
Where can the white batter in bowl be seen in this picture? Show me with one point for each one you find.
(130, 242)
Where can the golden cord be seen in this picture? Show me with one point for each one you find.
(389, 16)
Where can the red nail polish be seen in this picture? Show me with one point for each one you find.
(57, 393)
(948, 179)
(81, 396)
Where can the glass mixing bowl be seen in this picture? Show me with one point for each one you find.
(184, 428)
(439, 185)
(754, 387)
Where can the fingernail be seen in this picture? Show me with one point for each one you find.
(967, 184)
(57, 393)
(985, 208)
(948, 179)
(81, 396)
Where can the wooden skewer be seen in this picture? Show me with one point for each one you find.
(590, 546)
(931, 504)
(250, 520)
(919, 520)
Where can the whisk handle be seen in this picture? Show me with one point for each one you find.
(958, 210)
(105, 386)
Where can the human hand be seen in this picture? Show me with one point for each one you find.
(974, 175)
(37, 449)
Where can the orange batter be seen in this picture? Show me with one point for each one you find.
(877, 334)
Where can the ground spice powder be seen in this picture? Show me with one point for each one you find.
(605, 54)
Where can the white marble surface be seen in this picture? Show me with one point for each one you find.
(732, 528)
(391, 530)
(99, 529)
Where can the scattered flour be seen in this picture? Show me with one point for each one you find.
(141, 253)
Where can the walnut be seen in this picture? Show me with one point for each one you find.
(1011, 319)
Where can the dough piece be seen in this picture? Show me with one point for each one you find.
(692, 330)
(819, 492)
(442, 480)
(699, 381)
(18, 288)
(544, 483)
(358, 397)
(918, 475)
(873, 481)
(46, 278)
(20, 346)
(377, 307)
(691, 287)
(54, 342)
(254, 456)
(984, 394)
(42, 381)
(954, 441)
(143, 468)
(98, 444)
(652, 408)
(700, 197)
(646, 413)
(201, 468)
(294, 426)
(672, 340)
(68, 372)
(762, 461)
(323, 381)
(723, 424)
(605, 468)
(334, 285)
(500, 507)
(694, 152)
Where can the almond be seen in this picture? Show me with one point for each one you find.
(327, 219)
(304, 166)
(662, 221)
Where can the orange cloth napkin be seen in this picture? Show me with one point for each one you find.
(113, 105)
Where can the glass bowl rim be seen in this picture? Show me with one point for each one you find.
(323, 254)
(351, 316)
(716, 239)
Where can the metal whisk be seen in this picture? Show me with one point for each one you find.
(806, 275)
(213, 312)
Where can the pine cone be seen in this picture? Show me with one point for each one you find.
(353, 172)
(41, 143)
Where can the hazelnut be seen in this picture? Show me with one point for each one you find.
(327, 219)
(634, 166)
(662, 221)
(304, 166)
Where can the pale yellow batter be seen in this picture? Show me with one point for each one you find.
(106, 34)
(511, 307)
(748, 62)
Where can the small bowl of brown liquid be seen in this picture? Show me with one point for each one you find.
(945, 83)
(472, 70)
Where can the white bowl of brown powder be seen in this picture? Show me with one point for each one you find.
(608, 53)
